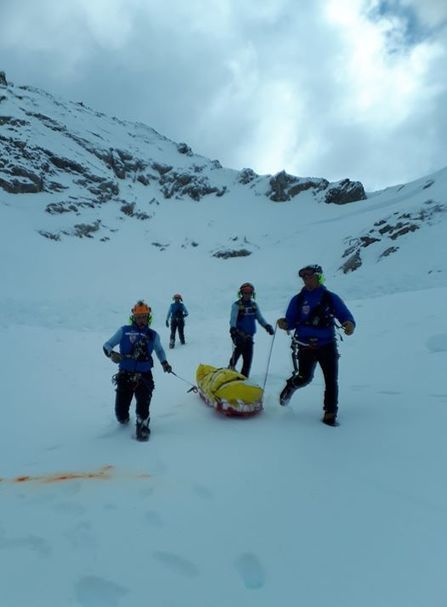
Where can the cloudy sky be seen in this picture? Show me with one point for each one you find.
(324, 88)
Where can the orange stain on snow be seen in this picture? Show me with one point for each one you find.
(103, 473)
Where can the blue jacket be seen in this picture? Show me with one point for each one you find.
(131, 338)
(177, 310)
(244, 315)
(297, 315)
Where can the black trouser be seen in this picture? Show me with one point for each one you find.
(327, 357)
(244, 348)
(178, 323)
(128, 384)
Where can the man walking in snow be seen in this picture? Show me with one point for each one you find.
(136, 344)
(244, 314)
(177, 313)
(311, 314)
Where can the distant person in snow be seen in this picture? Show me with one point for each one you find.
(244, 314)
(311, 314)
(177, 313)
(136, 342)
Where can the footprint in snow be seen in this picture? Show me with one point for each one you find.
(203, 491)
(93, 591)
(251, 571)
(153, 518)
(176, 563)
(29, 542)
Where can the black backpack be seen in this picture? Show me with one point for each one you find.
(321, 315)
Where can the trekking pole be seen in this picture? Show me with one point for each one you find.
(268, 361)
(193, 388)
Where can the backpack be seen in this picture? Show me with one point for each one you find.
(321, 315)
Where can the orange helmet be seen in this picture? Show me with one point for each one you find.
(141, 308)
(177, 296)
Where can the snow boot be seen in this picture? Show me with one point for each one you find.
(142, 429)
(286, 394)
(171, 344)
(330, 419)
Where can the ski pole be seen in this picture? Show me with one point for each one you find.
(268, 361)
(193, 387)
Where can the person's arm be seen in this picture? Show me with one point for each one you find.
(261, 320)
(113, 341)
(343, 314)
(161, 355)
(292, 313)
(234, 315)
(185, 311)
(169, 313)
(341, 311)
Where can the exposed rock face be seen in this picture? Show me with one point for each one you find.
(392, 227)
(182, 148)
(345, 191)
(184, 184)
(18, 180)
(246, 176)
(227, 254)
(284, 186)
(3, 79)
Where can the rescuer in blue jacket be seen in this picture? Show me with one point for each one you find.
(311, 314)
(244, 315)
(177, 313)
(137, 341)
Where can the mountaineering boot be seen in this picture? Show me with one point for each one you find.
(171, 343)
(330, 419)
(124, 422)
(287, 393)
(142, 429)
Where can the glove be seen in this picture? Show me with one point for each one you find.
(282, 324)
(270, 330)
(167, 323)
(166, 367)
(115, 356)
(348, 327)
(234, 333)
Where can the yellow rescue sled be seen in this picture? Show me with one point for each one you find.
(228, 391)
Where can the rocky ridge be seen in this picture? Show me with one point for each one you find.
(77, 160)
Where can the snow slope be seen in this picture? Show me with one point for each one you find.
(277, 509)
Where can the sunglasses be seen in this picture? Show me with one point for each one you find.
(306, 274)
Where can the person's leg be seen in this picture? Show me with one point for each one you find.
(173, 330)
(235, 356)
(181, 330)
(123, 398)
(328, 359)
(307, 361)
(247, 357)
(143, 395)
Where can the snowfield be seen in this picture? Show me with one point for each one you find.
(278, 509)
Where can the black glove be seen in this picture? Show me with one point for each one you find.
(115, 356)
(167, 323)
(234, 334)
(106, 352)
(269, 329)
(166, 367)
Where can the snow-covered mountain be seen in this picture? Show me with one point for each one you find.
(278, 509)
(87, 175)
